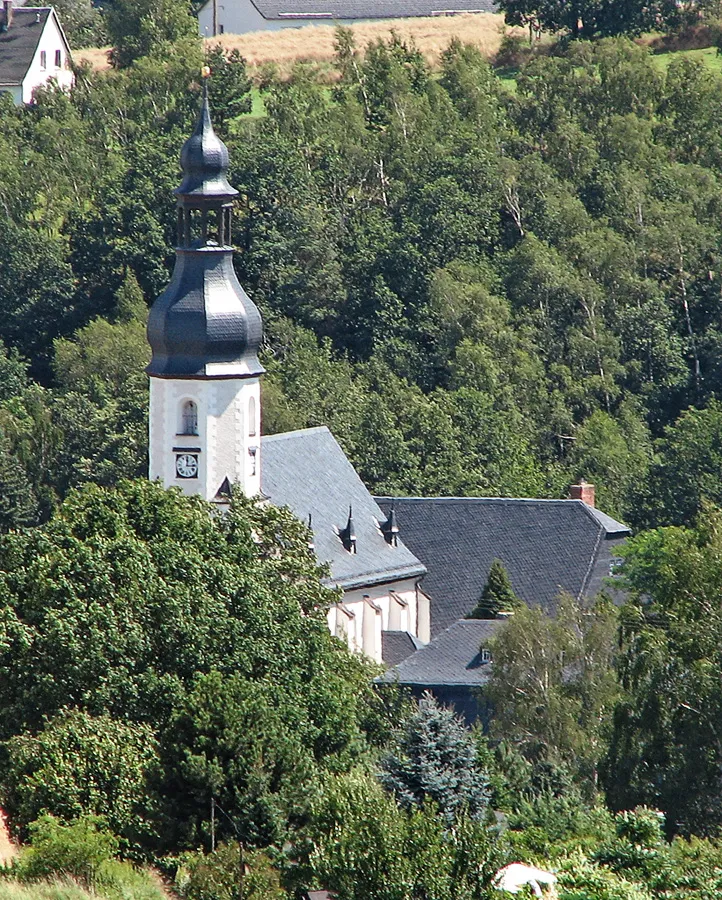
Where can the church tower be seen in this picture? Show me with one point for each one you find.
(204, 331)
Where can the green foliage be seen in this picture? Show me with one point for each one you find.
(138, 28)
(497, 595)
(77, 850)
(144, 607)
(229, 873)
(664, 750)
(553, 685)
(360, 844)
(436, 759)
(79, 765)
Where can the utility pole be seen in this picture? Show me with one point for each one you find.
(215, 18)
(213, 818)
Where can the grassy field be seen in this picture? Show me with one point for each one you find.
(314, 43)
(708, 56)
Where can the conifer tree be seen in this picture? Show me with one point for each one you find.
(498, 594)
(436, 758)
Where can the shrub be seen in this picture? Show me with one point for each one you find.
(77, 850)
(229, 873)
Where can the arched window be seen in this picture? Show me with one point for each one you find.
(189, 418)
(252, 416)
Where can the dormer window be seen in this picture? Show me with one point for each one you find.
(485, 655)
(189, 418)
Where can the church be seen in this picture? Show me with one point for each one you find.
(408, 569)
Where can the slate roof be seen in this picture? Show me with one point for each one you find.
(396, 646)
(452, 658)
(308, 472)
(19, 43)
(546, 545)
(367, 9)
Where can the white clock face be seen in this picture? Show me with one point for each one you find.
(186, 465)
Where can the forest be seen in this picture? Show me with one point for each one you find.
(484, 286)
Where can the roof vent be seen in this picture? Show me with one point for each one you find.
(6, 20)
(309, 525)
(390, 529)
(37, 18)
(348, 534)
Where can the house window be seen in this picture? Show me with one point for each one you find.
(615, 566)
(252, 416)
(485, 655)
(43, 59)
(189, 418)
(58, 59)
(221, 29)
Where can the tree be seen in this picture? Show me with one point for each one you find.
(666, 746)
(436, 759)
(127, 596)
(139, 27)
(79, 765)
(497, 596)
(553, 684)
(360, 844)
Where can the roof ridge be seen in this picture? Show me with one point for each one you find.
(289, 434)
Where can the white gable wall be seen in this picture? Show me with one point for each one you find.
(50, 41)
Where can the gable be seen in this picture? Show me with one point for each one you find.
(547, 546)
(19, 43)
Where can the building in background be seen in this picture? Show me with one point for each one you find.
(241, 16)
(33, 51)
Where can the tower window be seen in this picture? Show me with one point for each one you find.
(252, 416)
(189, 418)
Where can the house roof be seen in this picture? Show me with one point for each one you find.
(452, 658)
(547, 546)
(308, 472)
(396, 646)
(366, 9)
(19, 43)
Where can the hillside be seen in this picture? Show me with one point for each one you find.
(316, 42)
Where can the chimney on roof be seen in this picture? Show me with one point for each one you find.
(582, 491)
(7, 15)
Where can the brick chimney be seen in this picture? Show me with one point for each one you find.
(582, 491)
(7, 15)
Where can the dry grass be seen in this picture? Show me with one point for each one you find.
(314, 43)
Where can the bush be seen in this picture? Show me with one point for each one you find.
(77, 850)
(229, 873)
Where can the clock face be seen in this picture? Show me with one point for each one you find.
(186, 465)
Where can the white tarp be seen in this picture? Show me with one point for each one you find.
(515, 876)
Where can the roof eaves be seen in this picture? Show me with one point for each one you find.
(385, 576)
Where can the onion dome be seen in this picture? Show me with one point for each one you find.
(204, 160)
(204, 324)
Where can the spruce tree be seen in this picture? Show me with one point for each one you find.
(436, 758)
(498, 594)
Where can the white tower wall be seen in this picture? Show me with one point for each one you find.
(227, 443)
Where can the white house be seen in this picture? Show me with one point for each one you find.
(240, 16)
(33, 50)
